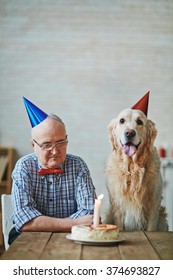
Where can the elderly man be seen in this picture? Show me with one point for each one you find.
(52, 190)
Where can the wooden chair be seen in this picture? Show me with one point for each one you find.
(6, 217)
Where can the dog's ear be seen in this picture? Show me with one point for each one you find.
(151, 135)
(112, 139)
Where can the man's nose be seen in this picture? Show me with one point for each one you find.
(55, 149)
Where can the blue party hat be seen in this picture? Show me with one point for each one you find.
(35, 114)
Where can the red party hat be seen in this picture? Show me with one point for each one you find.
(142, 104)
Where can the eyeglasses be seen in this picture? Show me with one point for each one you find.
(50, 146)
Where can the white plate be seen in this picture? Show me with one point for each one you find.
(95, 242)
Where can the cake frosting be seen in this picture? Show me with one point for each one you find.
(102, 232)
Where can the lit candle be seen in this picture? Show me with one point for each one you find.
(97, 207)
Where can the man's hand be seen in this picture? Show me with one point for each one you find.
(86, 220)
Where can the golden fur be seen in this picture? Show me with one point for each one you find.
(133, 174)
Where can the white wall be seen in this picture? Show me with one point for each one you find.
(85, 61)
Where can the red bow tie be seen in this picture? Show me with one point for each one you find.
(45, 171)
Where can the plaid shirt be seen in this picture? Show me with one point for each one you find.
(70, 194)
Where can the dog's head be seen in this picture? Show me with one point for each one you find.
(131, 131)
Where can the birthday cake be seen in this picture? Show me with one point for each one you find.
(90, 233)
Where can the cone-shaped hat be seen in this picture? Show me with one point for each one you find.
(35, 114)
(142, 104)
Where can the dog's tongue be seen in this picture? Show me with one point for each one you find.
(129, 150)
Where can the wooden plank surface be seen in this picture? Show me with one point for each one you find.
(100, 252)
(137, 247)
(163, 243)
(59, 247)
(28, 246)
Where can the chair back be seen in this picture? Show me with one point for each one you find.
(7, 223)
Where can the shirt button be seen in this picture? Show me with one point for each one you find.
(50, 199)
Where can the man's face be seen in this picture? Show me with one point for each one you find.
(50, 131)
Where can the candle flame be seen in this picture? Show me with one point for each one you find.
(100, 196)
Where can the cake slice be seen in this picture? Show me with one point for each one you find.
(100, 233)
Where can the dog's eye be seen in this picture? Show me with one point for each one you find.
(139, 122)
(122, 120)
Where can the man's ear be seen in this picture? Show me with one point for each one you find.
(31, 142)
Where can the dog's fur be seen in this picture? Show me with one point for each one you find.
(133, 174)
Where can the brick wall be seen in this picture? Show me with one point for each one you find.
(85, 61)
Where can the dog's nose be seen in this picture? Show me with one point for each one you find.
(130, 133)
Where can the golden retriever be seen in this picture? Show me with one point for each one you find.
(133, 174)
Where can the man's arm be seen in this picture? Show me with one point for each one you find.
(45, 223)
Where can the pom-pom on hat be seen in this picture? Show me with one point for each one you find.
(142, 104)
(35, 114)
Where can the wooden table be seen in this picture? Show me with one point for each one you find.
(50, 246)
